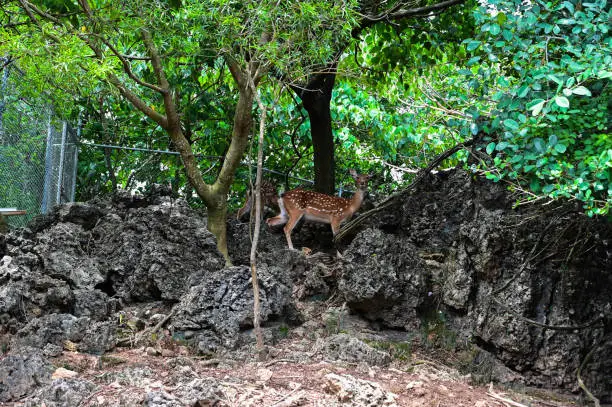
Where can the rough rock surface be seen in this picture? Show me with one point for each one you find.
(384, 279)
(221, 304)
(494, 272)
(21, 374)
(357, 392)
(66, 268)
(452, 264)
(350, 349)
(61, 393)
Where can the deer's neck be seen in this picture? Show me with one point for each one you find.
(357, 199)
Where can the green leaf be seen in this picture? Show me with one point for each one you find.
(537, 107)
(472, 45)
(539, 145)
(494, 29)
(562, 101)
(567, 21)
(560, 148)
(511, 124)
(490, 148)
(501, 146)
(554, 79)
(474, 129)
(581, 90)
(472, 61)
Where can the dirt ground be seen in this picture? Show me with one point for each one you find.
(125, 377)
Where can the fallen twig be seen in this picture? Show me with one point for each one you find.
(504, 400)
(286, 400)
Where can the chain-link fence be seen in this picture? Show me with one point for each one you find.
(38, 152)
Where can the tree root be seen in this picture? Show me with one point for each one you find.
(579, 378)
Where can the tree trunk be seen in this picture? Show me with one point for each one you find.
(215, 196)
(217, 215)
(316, 98)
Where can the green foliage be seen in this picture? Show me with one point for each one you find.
(194, 40)
(545, 72)
(533, 78)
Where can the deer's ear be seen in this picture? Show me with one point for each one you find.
(353, 173)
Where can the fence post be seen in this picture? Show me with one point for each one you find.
(76, 156)
(48, 165)
(60, 172)
(5, 74)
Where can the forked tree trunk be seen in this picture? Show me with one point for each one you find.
(215, 195)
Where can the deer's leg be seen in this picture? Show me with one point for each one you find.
(293, 220)
(279, 219)
(335, 226)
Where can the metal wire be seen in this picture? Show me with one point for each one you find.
(37, 150)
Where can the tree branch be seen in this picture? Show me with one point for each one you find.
(235, 70)
(398, 13)
(27, 7)
(138, 103)
(173, 120)
(127, 67)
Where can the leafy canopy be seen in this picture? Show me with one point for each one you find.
(543, 72)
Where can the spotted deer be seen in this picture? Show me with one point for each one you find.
(269, 198)
(318, 207)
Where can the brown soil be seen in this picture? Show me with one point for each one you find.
(281, 381)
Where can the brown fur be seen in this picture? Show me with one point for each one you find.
(318, 207)
(269, 198)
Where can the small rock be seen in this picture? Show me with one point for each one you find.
(357, 392)
(151, 351)
(414, 385)
(61, 373)
(264, 374)
(52, 350)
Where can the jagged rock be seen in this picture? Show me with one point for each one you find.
(453, 258)
(99, 337)
(221, 304)
(161, 398)
(21, 374)
(94, 304)
(350, 349)
(62, 392)
(62, 251)
(151, 251)
(357, 392)
(384, 279)
(494, 268)
(53, 329)
(199, 391)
